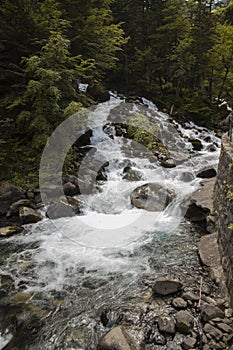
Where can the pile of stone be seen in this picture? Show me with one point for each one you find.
(191, 320)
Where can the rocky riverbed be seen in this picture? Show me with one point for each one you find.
(155, 287)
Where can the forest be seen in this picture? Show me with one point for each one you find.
(178, 53)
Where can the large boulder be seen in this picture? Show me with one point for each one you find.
(151, 197)
(96, 90)
(14, 208)
(201, 202)
(29, 215)
(207, 173)
(196, 213)
(8, 195)
(61, 209)
(208, 250)
(117, 338)
(209, 312)
(166, 287)
(70, 189)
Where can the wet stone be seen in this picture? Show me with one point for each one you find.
(179, 303)
(208, 312)
(166, 287)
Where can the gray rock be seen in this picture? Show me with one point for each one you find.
(59, 210)
(10, 230)
(224, 328)
(184, 322)
(151, 197)
(131, 174)
(213, 331)
(166, 287)
(29, 215)
(189, 343)
(208, 250)
(179, 303)
(207, 173)
(201, 202)
(117, 338)
(166, 325)
(190, 296)
(208, 312)
(186, 177)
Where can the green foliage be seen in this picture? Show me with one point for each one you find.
(177, 52)
(72, 108)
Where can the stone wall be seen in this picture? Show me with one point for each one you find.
(223, 202)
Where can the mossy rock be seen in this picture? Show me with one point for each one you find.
(96, 90)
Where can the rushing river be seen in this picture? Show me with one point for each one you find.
(68, 280)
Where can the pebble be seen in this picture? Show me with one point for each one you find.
(166, 325)
(179, 303)
(190, 296)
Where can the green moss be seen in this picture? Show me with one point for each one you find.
(142, 131)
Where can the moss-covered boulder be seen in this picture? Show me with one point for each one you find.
(96, 90)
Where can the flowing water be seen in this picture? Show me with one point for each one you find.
(66, 281)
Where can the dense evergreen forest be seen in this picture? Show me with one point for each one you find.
(179, 53)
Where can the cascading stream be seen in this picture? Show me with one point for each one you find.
(94, 261)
